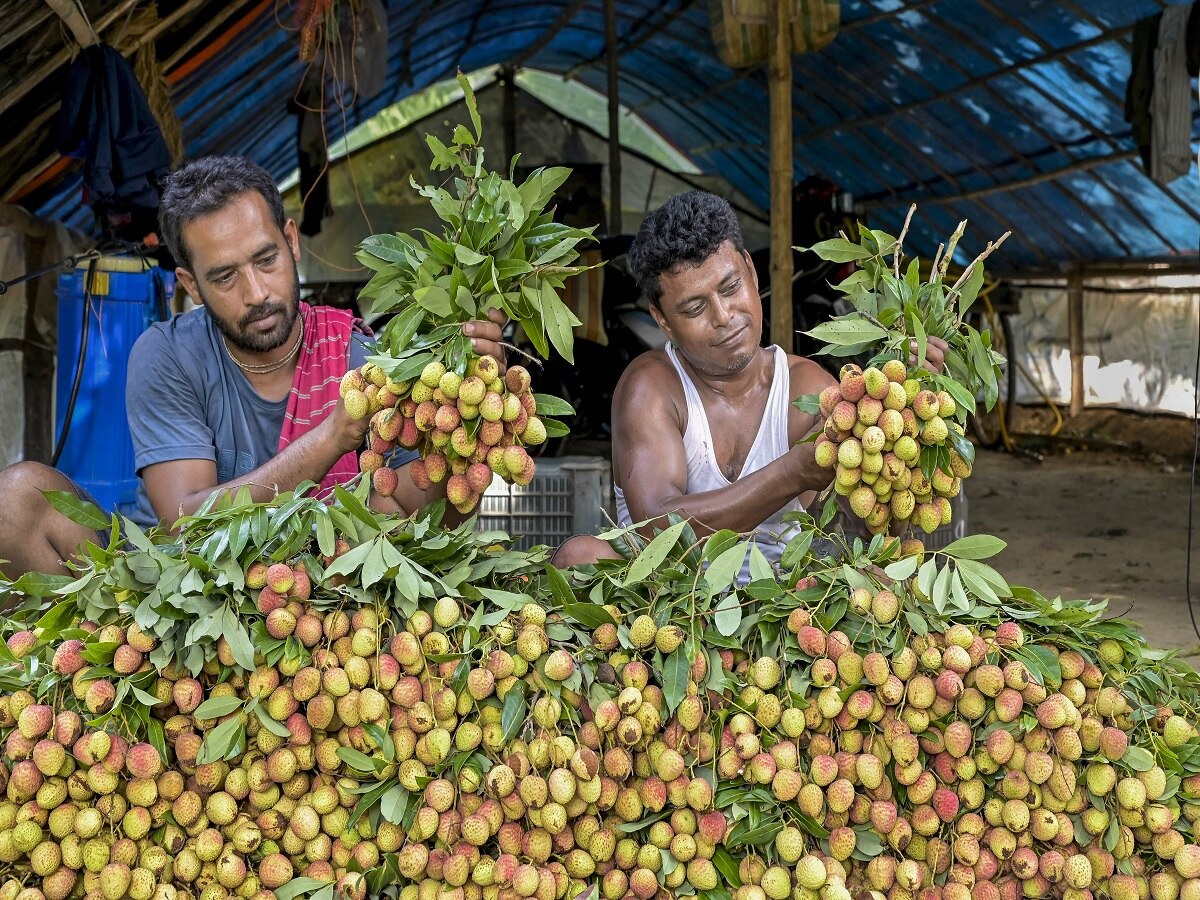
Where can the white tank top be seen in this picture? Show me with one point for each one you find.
(703, 472)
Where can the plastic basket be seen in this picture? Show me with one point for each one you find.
(567, 496)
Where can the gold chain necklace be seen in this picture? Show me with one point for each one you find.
(266, 367)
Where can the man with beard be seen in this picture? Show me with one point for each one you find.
(241, 392)
(705, 428)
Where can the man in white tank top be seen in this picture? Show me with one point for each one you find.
(705, 428)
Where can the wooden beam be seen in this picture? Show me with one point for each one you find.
(201, 34)
(22, 185)
(10, 97)
(548, 35)
(644, 35)
(72, 17)
(912, 6)
(1013, 68)
(966, 38)
(1079, 165)
(1002, 140)
(612, 53)
(779, 86)
(1075, 333)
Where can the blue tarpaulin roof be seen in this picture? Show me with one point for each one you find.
(1005, 112)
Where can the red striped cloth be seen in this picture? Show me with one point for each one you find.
(322, 362)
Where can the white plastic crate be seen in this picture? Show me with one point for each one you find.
(568, 495)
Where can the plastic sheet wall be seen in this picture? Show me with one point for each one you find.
(1139, 339)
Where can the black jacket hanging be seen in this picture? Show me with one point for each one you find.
(106, 121)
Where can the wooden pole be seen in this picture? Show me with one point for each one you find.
(614, 117)
(779, 79)
(1075, 333)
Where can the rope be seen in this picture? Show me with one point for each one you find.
(152, 78)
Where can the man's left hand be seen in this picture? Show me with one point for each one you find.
(486, 336)
(935, 354)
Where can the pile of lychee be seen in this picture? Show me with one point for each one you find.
(876, 423)
(466, 428)
(499, 749)
(563, 797)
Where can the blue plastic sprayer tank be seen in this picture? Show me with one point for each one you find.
(126, 297)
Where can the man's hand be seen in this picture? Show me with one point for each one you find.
(486, 336)
(935, 354)
(343, 432)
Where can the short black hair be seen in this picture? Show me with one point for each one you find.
(688, 228)
(205, 186)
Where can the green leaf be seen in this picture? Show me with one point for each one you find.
(217, 707)
(472, 106)
(808, 403)
(549, 405)
(975, 546)
(79, 511)
(1138, 759)
(298, 886)
(220, 741)
(654, 553)
(40, 584)
(941, 590)
(589, 615)
(239, 640)
(970, 289)
(917, 623)
(355, 759)
(728, 615)
(902, 568)
(676, 672)
(847, 332)
(839, 250)
(725, 568)
(727, 866)
(512, 717)
(276, 728)
(921, 338)
(559, 323)
(394, 804)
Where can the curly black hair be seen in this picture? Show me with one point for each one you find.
(688, 228)
(205, 186)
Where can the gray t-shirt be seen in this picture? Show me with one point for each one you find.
(186, 399)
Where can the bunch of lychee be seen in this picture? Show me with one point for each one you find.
(466, 428)
(876, 423)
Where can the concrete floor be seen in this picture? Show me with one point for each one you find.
(1095, 525)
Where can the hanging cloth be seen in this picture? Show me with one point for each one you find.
(1171, 103)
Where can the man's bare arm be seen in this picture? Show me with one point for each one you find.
(653, 466)
(179, 487)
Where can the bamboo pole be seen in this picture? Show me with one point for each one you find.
(614, 117)
(1075, 334)
(72, 17)
(779, 83)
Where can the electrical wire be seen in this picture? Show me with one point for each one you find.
(1187, 586)
(79, 363)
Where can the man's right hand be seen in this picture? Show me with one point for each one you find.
(808, 475)
(344, 432)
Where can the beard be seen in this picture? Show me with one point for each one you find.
(239, 334)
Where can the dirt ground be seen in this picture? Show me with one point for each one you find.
(1096, 524)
